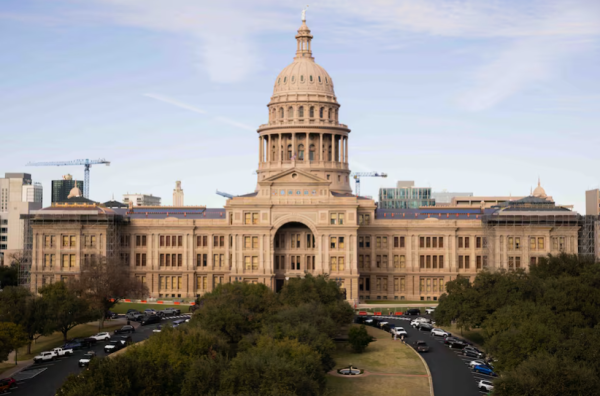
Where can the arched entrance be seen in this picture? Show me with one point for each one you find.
(294, 252)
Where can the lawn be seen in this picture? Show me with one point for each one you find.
(122, 308)
(6, 366)
(56, 339)
(382, 356)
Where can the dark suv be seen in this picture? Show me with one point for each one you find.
(412, 311)
(421, 346)
(125, 329)
(146, 320)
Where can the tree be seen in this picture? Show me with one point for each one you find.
(104, 282)
(9, 276)
(18, 305)
(359, 338)
(12, 336)
(65, 307)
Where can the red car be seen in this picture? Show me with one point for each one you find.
(6, 384)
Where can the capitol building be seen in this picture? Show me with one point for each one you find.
(302, 218)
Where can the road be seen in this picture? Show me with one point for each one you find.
(46, 378)
(450, 371)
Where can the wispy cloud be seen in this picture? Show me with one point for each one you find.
(195, 109)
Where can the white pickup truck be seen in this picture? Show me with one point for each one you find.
(45, 357)
(62, 352)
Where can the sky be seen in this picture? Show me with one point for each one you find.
(480, 96)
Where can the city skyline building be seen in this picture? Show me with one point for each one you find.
(141, 199)
(405, 196)
(61, 188)
(178, 194)
(445, 197)
(18, 196)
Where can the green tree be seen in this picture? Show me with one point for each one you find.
(9, 276)
(310, 289)
(359, 338)
(18, 305)
(104, 282)
(65, 308)
(12, 336)
(274, 368)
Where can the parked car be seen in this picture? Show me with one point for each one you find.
(132, 311)
(417, 321)
(483, 369)
(474, 363)
(388, 327)
(87, 358)
(158, 329)
(457, 344)
(429, 310)
(471, 351)
(134, 316)
(421, 346)
(111, 315)
(101, 336)
(150, 311)
(170, 311)
(399, 331)
(78, 343)
(424, 327)
(45, 357)
(178, 322)
(369, 322)
(6, 384)
(113, 346)
(450, 339)
(146, 320)
(62, 352)
(439, 333)
(485, 386)
(381, 324)
(126, 340)
(412, 311)
(125, 329)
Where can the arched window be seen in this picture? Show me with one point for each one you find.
(311, 152)
(301, 152)
(329, 114)
(290, 112)
(321, 112)
(302, 78)
(289, 157)
(284, 80)
(311, 79)
(281, 112)
(301, 112)
(311, 112)
(319, 78)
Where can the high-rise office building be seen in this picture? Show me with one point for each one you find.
(61, 188)
(445, 197)
(141, 200)
(18, 196)
(178, 194)
(405, 196)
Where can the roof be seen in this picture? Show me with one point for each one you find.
(177, 213)
(435, 213)
(114, 204)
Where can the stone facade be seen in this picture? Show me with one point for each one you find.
(302, 218)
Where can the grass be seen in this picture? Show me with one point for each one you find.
(6, 366)
(473, 335)
(56, 339)
(122, 308)
(382, 356)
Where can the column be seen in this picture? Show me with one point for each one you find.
(294, 148)
(280, 149)
(321, 147)
(210, 263)
(268, 140)
(346, 149)
(260, 150)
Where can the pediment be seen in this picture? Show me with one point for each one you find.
(296, 177)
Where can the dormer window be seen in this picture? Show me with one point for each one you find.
(293, 79)
(302, 78)
(284, 80)
(311, 79)
(319, 78)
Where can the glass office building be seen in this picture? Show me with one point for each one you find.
(62, 188)
(405, 196)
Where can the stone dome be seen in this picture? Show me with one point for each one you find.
(75, 192)
(303, 75)
(539, 191)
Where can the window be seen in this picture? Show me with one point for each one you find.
(367, 261)
(396, 242)
(532, 243)
(378, 242)
(428, 242)
(311, 112)
(341, 219)
(168, 239)
(467, 262)
(378, 261)
(461, 262)
(428, 262)
(341, 242)
(478, 242)
(65, 241)
(368, 242)
(384, 242)
(341, 264)
(434, 242)
(311, 78)
(364, 219)
(281, 112)
(422, 262)
(333, 263)
(422, 242)
(254, 242)
(333, 219)
(301, 112)
(540, 243)
(467, 242)
(517, 243)
(441, 242)
(384, 262)
(290, 112)
(361, 242)
(222, 241)
(441, 262)
(72, 240)
(333, 242)
(361, 261)
(478, 264)
(511, 243)
(460, 242)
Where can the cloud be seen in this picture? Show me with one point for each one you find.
(186, 106)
